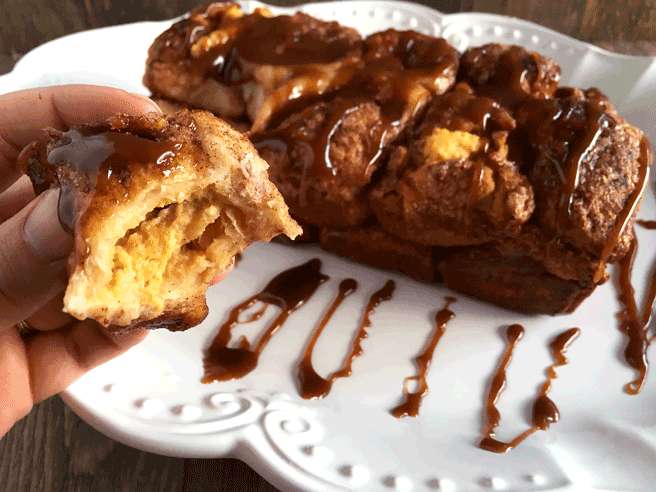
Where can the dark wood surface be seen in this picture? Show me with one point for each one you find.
(52, 449)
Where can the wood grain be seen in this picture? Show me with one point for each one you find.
(52, 449)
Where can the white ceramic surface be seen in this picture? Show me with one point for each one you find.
(151, 398)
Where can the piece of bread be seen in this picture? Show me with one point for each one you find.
(158, 207)
(476, 170)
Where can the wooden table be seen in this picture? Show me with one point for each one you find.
(52, 449)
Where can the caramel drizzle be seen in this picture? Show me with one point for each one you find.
(104, 157)
(338, 111)
(635, 324)
(288, 291)
(311, 384)
(514, 334)
(544, 410)
(382, 295)
(410, 407)
(628, 210)
(646, 224)
(597, 121)
(380, 76)
(478, 173)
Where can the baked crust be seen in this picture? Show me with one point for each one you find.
(208, 60)
(158, 207)
(477, 169)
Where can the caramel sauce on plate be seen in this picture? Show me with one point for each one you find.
(399, 84)
(646, 224)
(312, 385)
(382, 295)
(410, 406)
(544, 410)
(289, 290)
(514, 334)
(634, 323)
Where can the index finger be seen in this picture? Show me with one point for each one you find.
(24, 114)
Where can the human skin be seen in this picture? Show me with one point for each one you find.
(34, 249)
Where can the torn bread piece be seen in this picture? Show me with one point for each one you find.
(158, 207)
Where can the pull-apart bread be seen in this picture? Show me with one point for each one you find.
(475, 169)
(158, 207)
(247, 66)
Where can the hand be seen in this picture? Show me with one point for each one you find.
(34, 250)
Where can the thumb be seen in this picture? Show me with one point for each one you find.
(33, 252)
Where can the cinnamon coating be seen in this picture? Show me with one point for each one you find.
(158, 207)
(477, 169)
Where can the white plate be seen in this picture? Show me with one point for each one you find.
(151, 397)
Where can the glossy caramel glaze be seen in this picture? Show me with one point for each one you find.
(509, 74)
(544, 410)
(597, 120)
(279, 40)
(258, 38)
(102, 157)
(410, 406)
(288, 291)
(459, 110)
(573, 123)
(311, 385)
(397, 77)
(567, 132)
(628, 210)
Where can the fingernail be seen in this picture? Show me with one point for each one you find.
(149, 106)
(153, 104)
(43, 232)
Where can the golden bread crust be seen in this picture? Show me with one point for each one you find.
(156, 216)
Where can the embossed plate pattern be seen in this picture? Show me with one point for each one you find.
(151, 397)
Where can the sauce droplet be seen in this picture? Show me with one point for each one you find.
(410, 407)
(289, 290)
